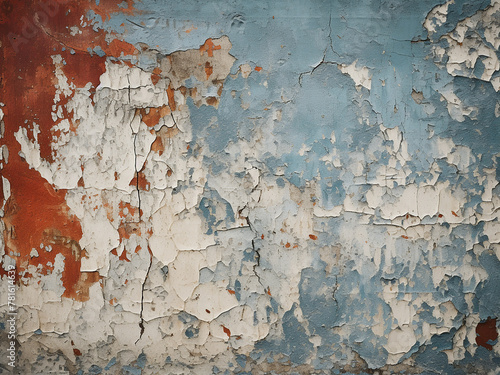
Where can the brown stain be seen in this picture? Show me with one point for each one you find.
(213, 101)
(485, 332)
(37, 213)
(208, 69)
(313, 237)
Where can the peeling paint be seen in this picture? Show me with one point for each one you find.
(205, 187)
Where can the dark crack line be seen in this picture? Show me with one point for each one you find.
(141, 323)
(136, 24)
(323, 59)
(137, 177)
(257, 263)
(135, 158)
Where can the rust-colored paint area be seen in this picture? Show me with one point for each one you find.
(36, 213)
(487, 333)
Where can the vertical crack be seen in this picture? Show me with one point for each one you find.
(136, 173)
(257, 263)
(141, 323)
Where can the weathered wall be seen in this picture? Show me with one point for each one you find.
(204, 187)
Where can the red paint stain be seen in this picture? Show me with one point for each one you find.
(485, 332)
(313, 237)
(454, 213)
(258, 68)
(405, 237)
(262, 236)
(268, 291)
(288, 245)
(231, 291)
(207, 311)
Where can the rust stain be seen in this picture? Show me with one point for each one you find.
(123, 256)
(209, 47)
(226, 331)
(313, 237)
(153, 116)
(155, 76)
(208, 69)
(118, 48)
(140, 181)
(486, 332)
(190, 29)
(36, 213)
(106, 8)
(213, 101)
(258, 68)
(171, 98)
